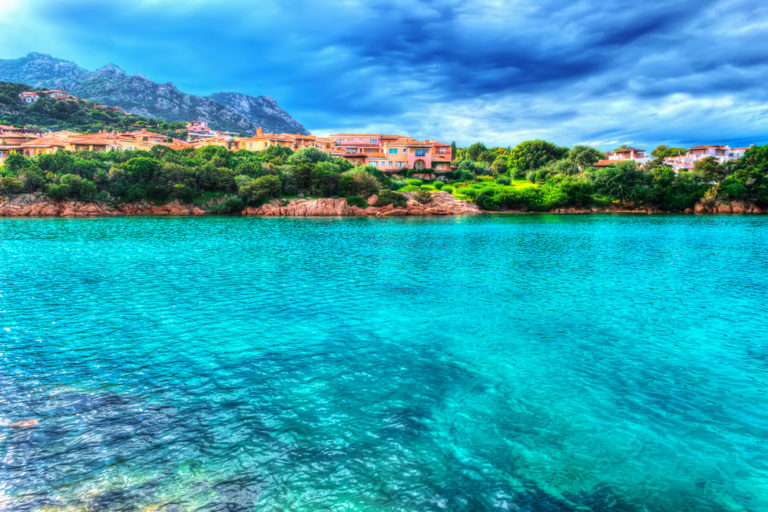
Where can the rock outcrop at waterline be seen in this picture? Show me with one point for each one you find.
(716, 208)
(737, 207)
(39, 206)
(442, 203)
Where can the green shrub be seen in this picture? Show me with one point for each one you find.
(438, 184)
(358, 181)
(503, 180)
(358, 201)
(386, 197)
(256, 192)
(415, 182)
(10, 185)
(57, 192)
(230, 204)
(447, 189)
(422, 196)
(425, 187)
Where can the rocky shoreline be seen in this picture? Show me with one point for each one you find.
(442, 204)
(717, 207)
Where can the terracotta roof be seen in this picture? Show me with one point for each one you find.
(91, 140)
(704, 147)
(605, 163)
(43, 142)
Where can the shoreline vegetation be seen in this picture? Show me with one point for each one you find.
(535, 176)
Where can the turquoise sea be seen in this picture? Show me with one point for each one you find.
(516, 363)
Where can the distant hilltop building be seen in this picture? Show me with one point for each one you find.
(199, 130)
(32, 96)
(683, 162)
(28, 96)
(721, 153)
(622, 154)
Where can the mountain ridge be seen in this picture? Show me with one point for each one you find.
(137, 94)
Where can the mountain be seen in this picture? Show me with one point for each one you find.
(139, 95)
(260, 110)
(75, 114)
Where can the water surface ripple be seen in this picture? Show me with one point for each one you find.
(524, 363)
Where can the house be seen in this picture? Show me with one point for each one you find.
(56, 94)
(199, 130)
(625, 153)
(6, 150)
(144, 136)
(392, 152)
(695, 153)
(42, 146)
(28, 96)
(10, 134)
(262, 141)
(197, 126)
(97, 142)
(442, 155)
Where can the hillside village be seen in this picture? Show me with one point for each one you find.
(389, 153)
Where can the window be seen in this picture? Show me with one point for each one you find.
(265, 144)
(352, 150)
(374, 141)
(421, 152)
(405, 150)
(392, 151)
(400, 164)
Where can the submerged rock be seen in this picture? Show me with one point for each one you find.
(25, 423)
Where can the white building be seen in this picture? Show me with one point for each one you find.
(721, 153)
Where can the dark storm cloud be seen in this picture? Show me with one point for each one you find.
(493, 69)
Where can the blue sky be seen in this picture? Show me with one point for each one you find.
(501, 71)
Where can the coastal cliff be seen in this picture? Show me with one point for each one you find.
(442, 204)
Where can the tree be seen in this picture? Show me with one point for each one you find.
(15, 162)
(325, 180)
(309, 155)
(622, 181)
(499, 166)
(584, 156)
(662, 151)
(261, 189)
(475, 150)
(659, 151)
(534, 154)
(358, 182)
(10, 185)
(710, 168)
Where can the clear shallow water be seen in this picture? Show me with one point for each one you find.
(527, 363)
